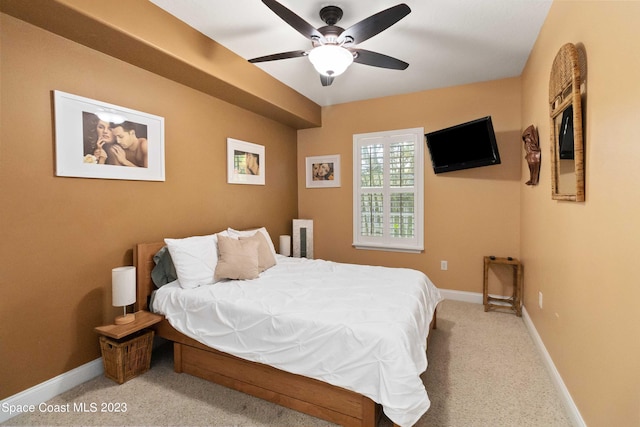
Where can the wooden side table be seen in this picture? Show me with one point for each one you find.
(515, 301)
(126, 349)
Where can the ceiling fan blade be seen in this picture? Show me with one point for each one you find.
(374, 24)
(375, 59)
(277, 56)
(326, 80)
(299, 24)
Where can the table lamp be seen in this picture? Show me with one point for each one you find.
(123, 287)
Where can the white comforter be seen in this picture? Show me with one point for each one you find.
(361, 328)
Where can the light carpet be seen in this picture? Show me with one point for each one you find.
(484, 370)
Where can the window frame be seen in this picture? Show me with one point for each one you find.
(387, 242)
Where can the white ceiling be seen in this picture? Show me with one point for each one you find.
(446, 42)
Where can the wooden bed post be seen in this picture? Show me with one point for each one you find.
(177, 357)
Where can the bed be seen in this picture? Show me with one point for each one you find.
(323, 397)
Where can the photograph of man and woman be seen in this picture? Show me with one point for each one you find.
(109, 143)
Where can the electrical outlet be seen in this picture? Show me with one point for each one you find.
(539, 299)
(444, 265)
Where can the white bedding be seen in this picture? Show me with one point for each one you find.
(361, 328)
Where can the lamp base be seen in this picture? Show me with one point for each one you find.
(123, 320)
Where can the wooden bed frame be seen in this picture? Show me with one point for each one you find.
(308, 395)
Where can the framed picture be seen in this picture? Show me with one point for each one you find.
(323, 171)
(246, 163)
(99, 140)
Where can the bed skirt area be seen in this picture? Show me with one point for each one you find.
(297, 392)
(307, 395)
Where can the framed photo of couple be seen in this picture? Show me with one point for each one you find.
(323, 171)
(99, 140)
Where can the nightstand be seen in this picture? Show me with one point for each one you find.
(126, 349)
(515, 301)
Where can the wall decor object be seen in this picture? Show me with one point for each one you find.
(303, 238)
(566, 88)
(323, 171)
(99, 140)
(533, 156)
(245, 162)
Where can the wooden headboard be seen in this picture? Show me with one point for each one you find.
(143, 260)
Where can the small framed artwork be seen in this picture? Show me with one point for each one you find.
(246, 163)
(99, 140)
(323, 171)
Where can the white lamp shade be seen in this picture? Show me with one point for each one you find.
(330, 60)
(285, 245)
(123, 286)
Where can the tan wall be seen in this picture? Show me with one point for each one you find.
(468, 214)
(60, 237)
(583, 256)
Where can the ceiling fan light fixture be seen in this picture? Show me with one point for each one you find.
(330, 60)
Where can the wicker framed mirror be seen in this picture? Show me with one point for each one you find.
(565, 110)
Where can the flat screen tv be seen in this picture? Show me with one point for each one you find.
(464, 146)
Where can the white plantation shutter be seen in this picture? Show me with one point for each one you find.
(388, 190)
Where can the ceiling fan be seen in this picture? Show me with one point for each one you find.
(333, 48)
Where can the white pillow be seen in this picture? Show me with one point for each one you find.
(195, 259)
(248, 233)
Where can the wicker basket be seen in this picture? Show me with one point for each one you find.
(124, 360)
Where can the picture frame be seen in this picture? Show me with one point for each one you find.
(95, 139)
(323, 171)
(246, 162)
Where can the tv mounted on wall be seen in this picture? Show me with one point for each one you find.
(464, 146)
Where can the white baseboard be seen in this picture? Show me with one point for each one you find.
(473, 297)
(574, 414)
(556, 379)
(50, 388)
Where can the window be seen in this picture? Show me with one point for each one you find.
(388, 190)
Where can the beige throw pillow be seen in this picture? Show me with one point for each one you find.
(238, 259)
(265, 256)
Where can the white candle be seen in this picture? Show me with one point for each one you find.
(285, 245)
